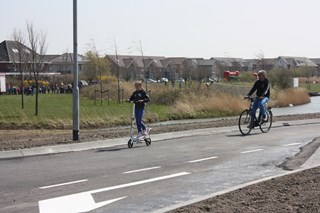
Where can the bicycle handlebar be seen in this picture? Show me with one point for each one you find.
(249, 98)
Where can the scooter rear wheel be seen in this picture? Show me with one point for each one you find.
(130, 143)
(148, 141)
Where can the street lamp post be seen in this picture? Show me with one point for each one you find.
(75, 75)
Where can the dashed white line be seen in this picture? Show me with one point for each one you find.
(203, 159)
(292, 144)
(139, 182)
(249, 151)
(141, 170)
(63, 184)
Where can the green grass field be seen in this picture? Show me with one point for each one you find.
(311, 87)
(55, 111)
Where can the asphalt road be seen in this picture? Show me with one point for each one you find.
(146, 179)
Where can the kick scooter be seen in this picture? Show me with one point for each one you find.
(135, 139)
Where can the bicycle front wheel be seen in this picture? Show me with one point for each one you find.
(245, 120)
(266, 126)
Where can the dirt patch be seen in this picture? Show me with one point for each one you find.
(299, 192)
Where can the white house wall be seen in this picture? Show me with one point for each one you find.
(2, 83)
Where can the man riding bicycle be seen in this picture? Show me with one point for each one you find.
(262, 86)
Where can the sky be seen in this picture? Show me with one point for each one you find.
(172, 28)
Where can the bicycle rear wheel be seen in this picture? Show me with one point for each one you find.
(266, 126)
(245, 120)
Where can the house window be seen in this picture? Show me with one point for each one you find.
(15, 50)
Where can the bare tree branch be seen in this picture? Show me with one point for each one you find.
(38, 46)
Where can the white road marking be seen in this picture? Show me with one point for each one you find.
(140, 182)
(62, 184)
(203, 159)
(83, 201)
(249, 151)
(141, 170)
(292, 144)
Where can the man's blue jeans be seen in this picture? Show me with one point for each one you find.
(260, 104)
(139, 114)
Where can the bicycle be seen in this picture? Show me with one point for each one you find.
(248, 120)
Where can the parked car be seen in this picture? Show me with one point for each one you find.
(210, 80)
(180, 80)
(150, 80)
(83, 83)
(213, 79)
(164, 80)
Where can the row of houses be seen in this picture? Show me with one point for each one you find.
(198, 68)
(130, 67)
(12, 53)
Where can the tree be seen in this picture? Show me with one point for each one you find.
(19, 62)
(262, 62)
(145, 69)
(96, 66)
(90, 67)
(187, 70)
(36, 61)
(65, 69)
(281, 78)
(220, 68)
(137, 71)
(202, 73)
(118, 70)
(236, 65)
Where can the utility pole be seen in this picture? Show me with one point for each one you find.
(75, 75)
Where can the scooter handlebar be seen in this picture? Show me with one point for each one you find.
(139, 101)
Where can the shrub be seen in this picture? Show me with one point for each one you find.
(281, 78)
(108, 78)
(167, 97)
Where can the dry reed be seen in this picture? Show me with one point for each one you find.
(193, 104)
(292, 96)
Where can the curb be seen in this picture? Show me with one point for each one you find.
(74, 147)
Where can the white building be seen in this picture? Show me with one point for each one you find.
(2, 82)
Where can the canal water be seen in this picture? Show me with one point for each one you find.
(312, 107)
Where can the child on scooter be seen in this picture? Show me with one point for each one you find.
(139, 98)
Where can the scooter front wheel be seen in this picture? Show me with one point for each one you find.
(148, 141)
(130, 143)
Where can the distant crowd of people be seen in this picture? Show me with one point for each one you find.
(31, 90)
